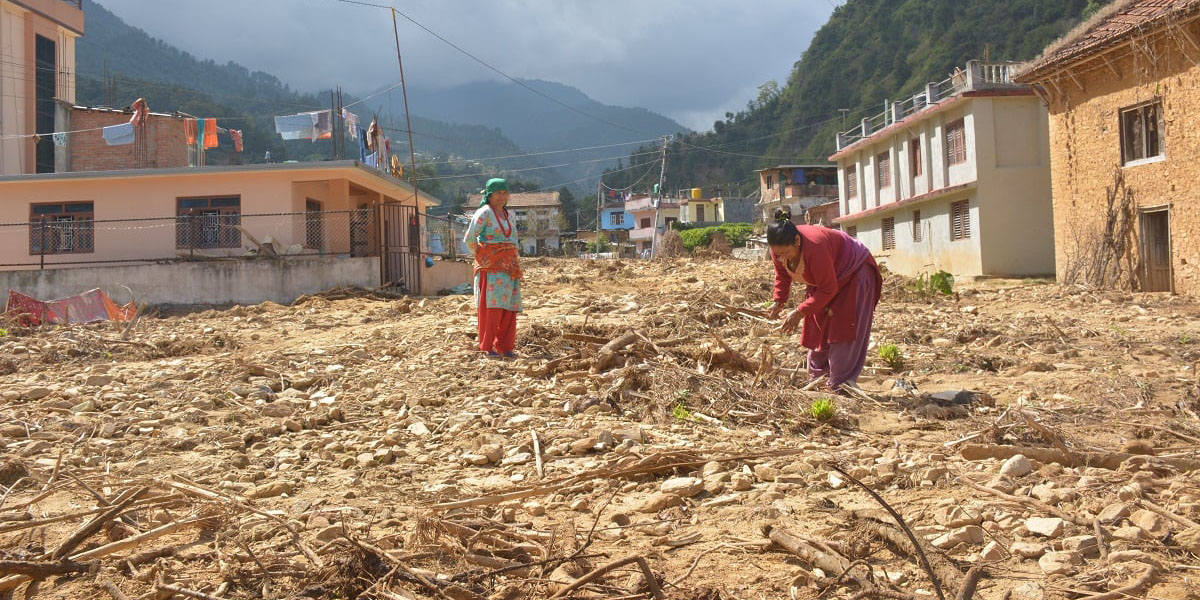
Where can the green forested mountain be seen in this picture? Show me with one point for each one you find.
(869, 51)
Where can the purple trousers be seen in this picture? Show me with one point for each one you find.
(843, 361)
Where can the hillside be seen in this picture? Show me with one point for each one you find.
(868, 51)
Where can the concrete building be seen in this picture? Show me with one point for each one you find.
(539, 217)
(798, 187)
(1124, 102)
(643, 211)
(697, 210)
(37, 71)
(616, 222)
(334, 213)
(955, 178)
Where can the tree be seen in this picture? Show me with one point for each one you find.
(570, 208)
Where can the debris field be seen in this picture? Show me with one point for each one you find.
(656, 437)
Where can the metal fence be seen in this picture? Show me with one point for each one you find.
(201, 234)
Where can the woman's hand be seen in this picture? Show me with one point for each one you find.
(775, 311)
(792, 322)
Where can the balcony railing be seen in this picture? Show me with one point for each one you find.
(979, 75)
(76, 3)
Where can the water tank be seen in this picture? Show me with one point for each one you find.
(697, 194)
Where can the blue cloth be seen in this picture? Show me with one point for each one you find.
(119, 135)
(798, 177)
(370, 161)
(362, 144)
(297, 127)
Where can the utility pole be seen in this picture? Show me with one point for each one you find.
(843, 111)
(662, 174)
(412, 153)
(599, 201)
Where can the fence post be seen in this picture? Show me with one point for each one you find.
(191, 238)
(42, 248)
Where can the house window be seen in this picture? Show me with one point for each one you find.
(956, 142)
(917, 233)
(1140, 126)
(645, 223)
(883, 163)
(618, 219)
(852, 182)
(314, 225)
(914, 157)
(889, 233)
(208, 222)
(960, 220)
(852, 231)
(770, 182)
(61, 228)
(700, 214)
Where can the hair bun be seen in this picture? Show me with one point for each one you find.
(783, 214)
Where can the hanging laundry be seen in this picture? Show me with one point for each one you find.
(140, 111)
(362, 144)
(118, 135)
(351, 120)
(372, 161)
(190, 128)
(210, 133)
(296, 127)
(323, 129)
(60, 139)
(236, 134)
(373, 134)
(397, 168)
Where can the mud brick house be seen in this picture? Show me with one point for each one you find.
(1124, 99)
(954, 178)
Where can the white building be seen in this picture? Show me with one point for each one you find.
(955, 178)
(539, 219)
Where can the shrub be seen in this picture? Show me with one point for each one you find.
(735, 233)
(671, 245)
(891, 354)
(822, 409)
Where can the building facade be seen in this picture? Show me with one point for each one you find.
(37, 71)
(539, 219)
(650, 222)
(955, 178)
(1124, 95)
(798, 187)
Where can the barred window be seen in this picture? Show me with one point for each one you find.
(960, 220)
(852, 182)
(914, 157)
(61, 228)
(917, 233)
(208, 222)
(883, 164)
(889, 233)
(852, 231)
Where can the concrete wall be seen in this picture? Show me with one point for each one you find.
(211, 282)
(1086, 153)
(445, 274)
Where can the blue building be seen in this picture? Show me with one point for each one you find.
(614, 219)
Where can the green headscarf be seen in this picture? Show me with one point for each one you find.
(495, 184)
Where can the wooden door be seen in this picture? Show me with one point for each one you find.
(1156, 251)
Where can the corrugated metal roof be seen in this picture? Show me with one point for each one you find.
(1111, 26)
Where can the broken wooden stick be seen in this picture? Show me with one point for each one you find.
(970, 582)
(1131, 590)
(41, 569)
(537, 454)
(825, 559)
(1076, 519)
(122, 502)
(1103, 460)
(600, 571)
(174, 589)
(608, 352)
(1052, 437)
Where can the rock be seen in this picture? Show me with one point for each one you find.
(659, 501)
(1131, 533)
(1085, 545)
(956, 516)
(1123, 556)
(577, 389)
(583, 446)
(942, 342)
(534, 508)
(270, 490)
(1154, 524)
(1016, 466)
(1050, 527)
(493, 452)
(1113, 513)
(329, 534)
(383, 456)
(1028, 590)
(1189, 539)
(518, 420)
(292, 425)
(634, 434)
(478, 460)
(36, 393)
(418, 428)
(279, 409)
(740, 482)
(519, 458)
(835, 481)
(711, 468)
(1059, 563)
(683, 486)
(765, 472)
(365, 459)
(580, 505)
(1028, 549)
(98, 380)
(12, 431)
(992, 552)
(971, 534)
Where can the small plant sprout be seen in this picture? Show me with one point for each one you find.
(893, 356)
(942, 282)
(822, 409)
(679, 411)
(3, 332)
(1185, 338)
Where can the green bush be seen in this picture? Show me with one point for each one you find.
(736, 233)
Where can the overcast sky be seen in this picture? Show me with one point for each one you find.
(691, 60)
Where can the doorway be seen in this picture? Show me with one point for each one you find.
(1155, 229)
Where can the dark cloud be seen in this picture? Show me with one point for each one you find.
(689, 59)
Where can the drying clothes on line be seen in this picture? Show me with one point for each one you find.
(351, 123)
(189, 131)
(118, 135)
(373, 134)
(140, 111)
(323, 129)
(210, 133)
(362, 144)
(397, 168)
(60, 139)
(236, 134)
(372, 161)
(296, 127)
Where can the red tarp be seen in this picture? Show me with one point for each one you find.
(88, 307)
